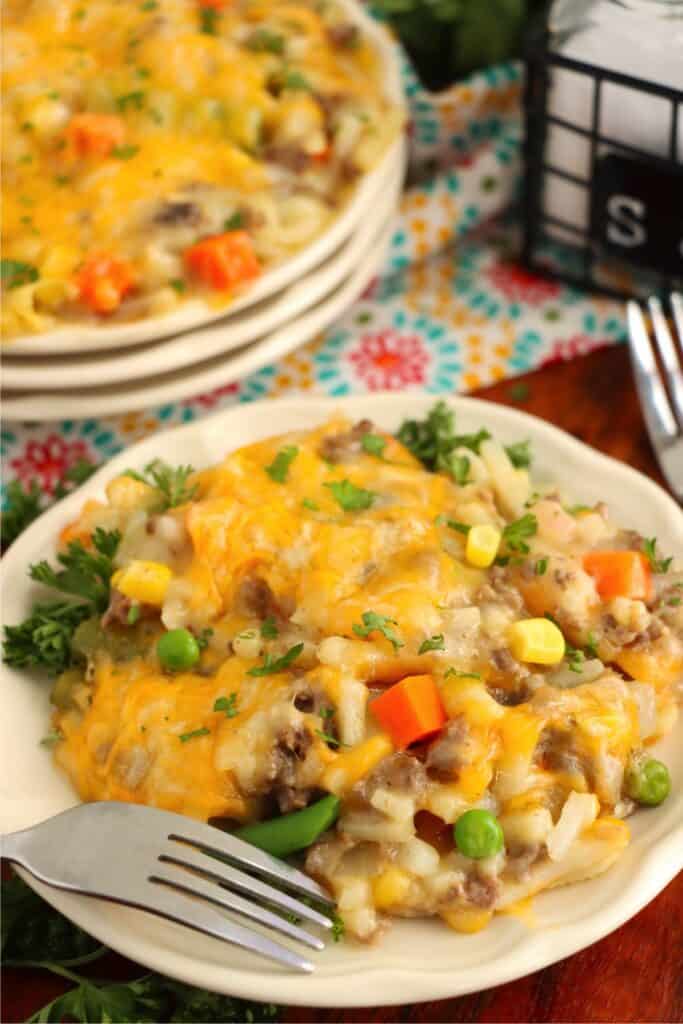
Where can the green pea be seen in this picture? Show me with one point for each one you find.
(478, 834)
(178, 650)
(648, 782)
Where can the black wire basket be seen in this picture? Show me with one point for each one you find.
(632, 242)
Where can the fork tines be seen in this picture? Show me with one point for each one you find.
(657, 364)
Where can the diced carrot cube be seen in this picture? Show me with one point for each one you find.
(95, 134)
(620, 573)
(410, 710)
(223, 261)
(103, 281)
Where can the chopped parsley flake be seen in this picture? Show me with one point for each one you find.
(433, 643)
(658, 565)
(372, 622)
(461, 675)
(332, 741)
(272, 665)
(14, 273)
(541, 566)
(454, 524)
(269, 629)
(515, 533)
(208, 21)
(519, 454)
(591, 645)
(133, 614)
(295, 80)
(185, 736)
(131, 100)
(264, 41)
(350, 497)
(373, 444)
(234, 222)
(52, 738)
(279, 467)
(228, 705)
(310, 505)
(125, 152)
(178, 285)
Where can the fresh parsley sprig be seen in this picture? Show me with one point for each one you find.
(170, 482)
(43, 640)
(84, 574)
(435, 443)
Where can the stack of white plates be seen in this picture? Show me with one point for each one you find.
(96, 371)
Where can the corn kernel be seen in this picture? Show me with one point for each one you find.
(466, 920)
(482, 546)
(390, 888)
(536, 640)
(146, 582)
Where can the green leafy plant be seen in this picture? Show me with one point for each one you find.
(34, 935)
(449, 39)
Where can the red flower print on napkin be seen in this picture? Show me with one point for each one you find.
(47, 461)
(390, 361)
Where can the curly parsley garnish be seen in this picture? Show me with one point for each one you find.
(171, 483)
(434, 442)
(43, 640)
(372, 622)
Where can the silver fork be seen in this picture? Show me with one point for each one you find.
(663, 411)
(177, 868)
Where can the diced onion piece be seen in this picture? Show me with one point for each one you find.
(579, 811)
(418, 857)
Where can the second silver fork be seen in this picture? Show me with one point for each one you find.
(660, 391)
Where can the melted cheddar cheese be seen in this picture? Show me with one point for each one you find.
(321, 568)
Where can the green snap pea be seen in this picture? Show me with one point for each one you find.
(178, 650)
(648, 782)
(478, 834)
(292, 832)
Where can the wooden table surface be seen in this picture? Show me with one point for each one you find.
(635, 974)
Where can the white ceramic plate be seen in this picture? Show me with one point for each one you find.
(88, 370)
(194, 313)
(209, 374)
(416, 960)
